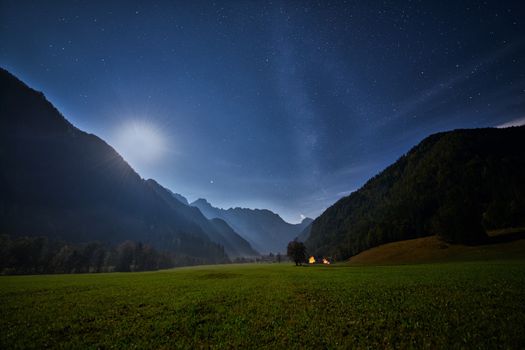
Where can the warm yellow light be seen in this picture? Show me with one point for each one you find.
(311, 260)
(326, 262)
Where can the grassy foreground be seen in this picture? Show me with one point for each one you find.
(452, 305)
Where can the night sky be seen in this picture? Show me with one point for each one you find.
(281, 105)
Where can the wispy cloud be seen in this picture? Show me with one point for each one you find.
(441, 88)
(345, 193)
(514, 122)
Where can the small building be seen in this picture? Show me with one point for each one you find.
(319, 260)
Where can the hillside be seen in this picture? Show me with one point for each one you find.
(60, 182)
(454, 184)
(433, 250)
(265, 230)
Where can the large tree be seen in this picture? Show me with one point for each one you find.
(297, 252)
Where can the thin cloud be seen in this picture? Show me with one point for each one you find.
(514, 122)
(442, 87)
(345, 193)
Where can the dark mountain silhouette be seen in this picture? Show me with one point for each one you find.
(265, 230)
(60, 182)
(305, 233)
(180, 198)
(455, 184)
(233, 238)
(217, 230)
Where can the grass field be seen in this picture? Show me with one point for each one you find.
(279, 306)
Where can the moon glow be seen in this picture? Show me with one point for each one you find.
(140, 142)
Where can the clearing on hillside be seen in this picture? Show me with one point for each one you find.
(507, 244)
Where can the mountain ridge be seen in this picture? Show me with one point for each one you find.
(454, 184)
(264, 229)
(234, 245)
(59, 181)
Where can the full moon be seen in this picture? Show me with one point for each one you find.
(140, 142)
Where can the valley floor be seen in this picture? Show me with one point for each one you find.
(446, 305)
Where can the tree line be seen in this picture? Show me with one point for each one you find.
(40, 255)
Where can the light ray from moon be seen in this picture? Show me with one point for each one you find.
(140, 142)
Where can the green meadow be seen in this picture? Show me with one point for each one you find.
(279, 306)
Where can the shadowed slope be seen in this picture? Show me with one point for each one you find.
(455, 184)
(218, 231)
(58, 181)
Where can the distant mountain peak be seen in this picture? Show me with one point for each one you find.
(306, 221)
(177, 196)
(180, 198)
(264, 229)
(201, 201)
